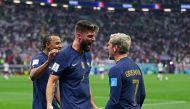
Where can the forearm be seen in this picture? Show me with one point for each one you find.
(58, 95)
(50, 92)
(35, 73)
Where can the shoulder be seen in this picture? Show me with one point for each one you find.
(64, 56)
(115, 70)
(129, 64)
(63, 53)
(39, 57)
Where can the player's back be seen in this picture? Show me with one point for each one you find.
(132, 89)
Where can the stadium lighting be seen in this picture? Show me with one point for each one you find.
(42, 4)
(131, 9)
(183, 10)
(54, 5)
(72, 2)
(167, 10)
(185, 6)
(145, 9)
(29, 2)
(127, 6)
(16, 1)
(111, 9)
(78, 7)
(65, 6)
(96, 8)
(171, 62)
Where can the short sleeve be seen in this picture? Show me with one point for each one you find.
(36, 61)
(115, 83)
(59, 64)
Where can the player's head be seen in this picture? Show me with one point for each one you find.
(85, 33)
(51, 42)
(119, 43)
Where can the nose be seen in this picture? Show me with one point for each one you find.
(60, 46)
(93, 38)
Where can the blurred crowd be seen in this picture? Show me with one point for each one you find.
(135, 1)
(155, 35)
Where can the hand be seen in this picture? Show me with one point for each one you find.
(50, 107)
(52, 54)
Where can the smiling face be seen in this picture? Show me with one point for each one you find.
(87, 39)
(55, 43)
(85, 33)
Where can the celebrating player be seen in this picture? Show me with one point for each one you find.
(72, 67)
(39, 72)
(126, 82)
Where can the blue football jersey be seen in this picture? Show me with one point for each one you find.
(73, 70)
(39, 85)
(127, 89)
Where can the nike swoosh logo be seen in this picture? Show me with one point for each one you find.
(74, 65)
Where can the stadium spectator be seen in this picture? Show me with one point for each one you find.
(156, 33)
(6, 70)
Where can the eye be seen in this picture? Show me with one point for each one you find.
(90, 36)
(57, 43)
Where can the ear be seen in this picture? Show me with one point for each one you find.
(78, 35)
(115, 48)
(47, 44)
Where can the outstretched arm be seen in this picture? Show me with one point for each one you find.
(50, 90)
(58, 94)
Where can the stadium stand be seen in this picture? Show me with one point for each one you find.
(156, 35)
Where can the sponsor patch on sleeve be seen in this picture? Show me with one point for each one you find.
(35, 62)
(113, 82)
(55, 67)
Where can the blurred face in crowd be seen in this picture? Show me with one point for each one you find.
(55, 43)
(86, 40)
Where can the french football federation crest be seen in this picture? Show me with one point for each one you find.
(88, 64)
(82, 64)
(82, 78)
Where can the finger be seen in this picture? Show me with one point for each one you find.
(55, 50)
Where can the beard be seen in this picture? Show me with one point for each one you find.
(85, 46)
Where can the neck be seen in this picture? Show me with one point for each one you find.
(76, 46)
(120, 56)
(46, 51)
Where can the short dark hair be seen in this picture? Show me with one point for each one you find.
(47, 39)
(86, 25)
